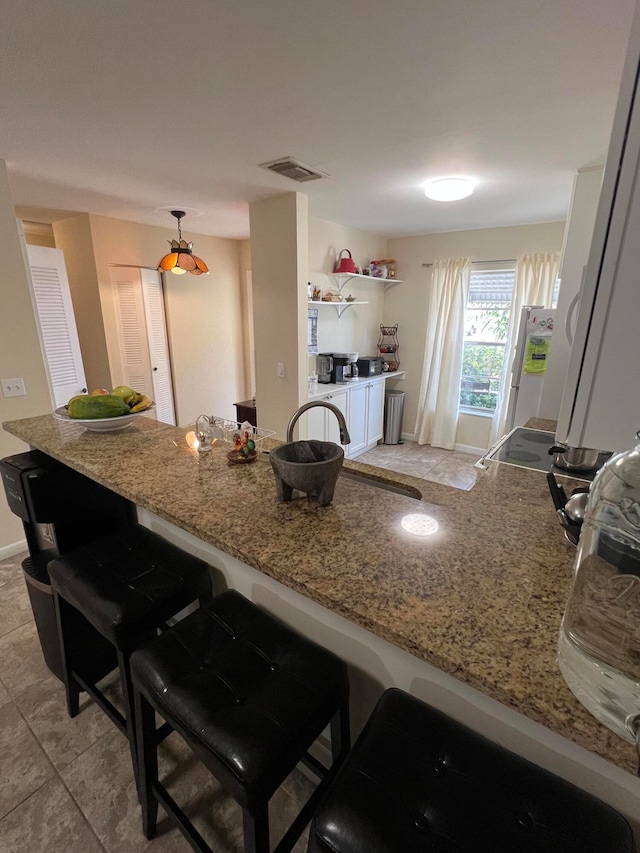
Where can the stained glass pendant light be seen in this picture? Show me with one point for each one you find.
(181, 258)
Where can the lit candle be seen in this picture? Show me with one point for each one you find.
(192, 440)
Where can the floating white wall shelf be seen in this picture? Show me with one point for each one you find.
(340, 307)
(343, 277)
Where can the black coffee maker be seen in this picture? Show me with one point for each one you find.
(341, 370)
(353, 371)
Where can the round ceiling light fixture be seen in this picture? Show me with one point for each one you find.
(450, 188)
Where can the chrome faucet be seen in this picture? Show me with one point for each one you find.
(345, 438)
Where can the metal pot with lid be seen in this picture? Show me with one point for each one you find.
(574, 458)
(571, 509)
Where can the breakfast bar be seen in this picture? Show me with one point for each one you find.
(466, 618)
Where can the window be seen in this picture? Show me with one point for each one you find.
(485, 333)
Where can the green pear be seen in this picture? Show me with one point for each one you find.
(125, 393)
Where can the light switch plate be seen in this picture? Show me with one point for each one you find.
(13, 387)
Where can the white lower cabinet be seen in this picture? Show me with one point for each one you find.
(316, 421)
(358, 397)
(340, 399)
(322, 424)
(366, 413)
(362, 404)
(375, 411)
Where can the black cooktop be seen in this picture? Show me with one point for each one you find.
(529, 448)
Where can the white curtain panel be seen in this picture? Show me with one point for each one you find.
(535, 280)
(437, 418)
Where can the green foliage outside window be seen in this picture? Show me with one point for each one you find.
(498, 323)
(479, 400)
(486, 328)
(481, 368)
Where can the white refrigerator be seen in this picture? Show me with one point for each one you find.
(601, 401)
(529, 364)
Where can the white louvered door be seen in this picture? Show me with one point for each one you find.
(158, 346)
(57, 324)
(143, 337)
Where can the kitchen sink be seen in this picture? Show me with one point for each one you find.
(407, 491)
(359, 477)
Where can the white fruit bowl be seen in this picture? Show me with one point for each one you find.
(101, 424)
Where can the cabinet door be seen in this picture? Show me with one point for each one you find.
(358, 417)
(340, 400)
(56, 323)
(375, 411)
(316, 422)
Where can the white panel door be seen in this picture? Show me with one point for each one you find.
(132, 329)
(57, 324)
(158, 345)
(142, 333)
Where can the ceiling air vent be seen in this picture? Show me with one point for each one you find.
(293, 169)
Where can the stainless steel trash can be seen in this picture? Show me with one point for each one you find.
(393, 409)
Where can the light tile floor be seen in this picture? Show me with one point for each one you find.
(427, 463)
(66, 785)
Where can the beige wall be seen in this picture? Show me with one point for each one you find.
(406, 304)
(204, 318)
(359, 326)
(205, 334)
(246, 290)
(73, 237)
(39, 234)
(279, 263)
(203, 313)
(20, 353)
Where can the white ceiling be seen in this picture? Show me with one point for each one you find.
(129, 109)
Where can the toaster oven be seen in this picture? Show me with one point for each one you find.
(369, 365)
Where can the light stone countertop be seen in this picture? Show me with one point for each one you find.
(332, 387)
(482, 599)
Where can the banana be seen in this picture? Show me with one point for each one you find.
(142, 404)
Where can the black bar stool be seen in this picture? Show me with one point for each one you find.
(418, 780)
(126, 585)
(249, 696)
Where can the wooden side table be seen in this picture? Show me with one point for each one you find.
(246, 411)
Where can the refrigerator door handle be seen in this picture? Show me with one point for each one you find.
(569, 324)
